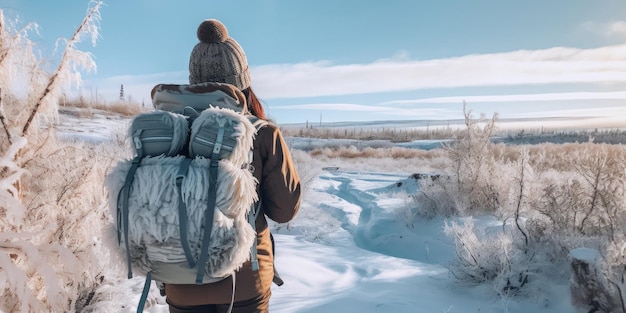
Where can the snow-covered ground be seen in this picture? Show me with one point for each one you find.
(363, 258)
(351, 250)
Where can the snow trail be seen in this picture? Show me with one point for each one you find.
(367, 206)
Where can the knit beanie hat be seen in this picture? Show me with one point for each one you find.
(218, 57)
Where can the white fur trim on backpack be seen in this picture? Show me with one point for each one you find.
(154, 232)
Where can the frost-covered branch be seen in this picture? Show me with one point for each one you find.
(522, 176)
(71, 60)
(12, 208)
(3, 120)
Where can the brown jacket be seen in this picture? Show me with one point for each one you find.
(279, 190)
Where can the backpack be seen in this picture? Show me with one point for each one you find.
(186, 204)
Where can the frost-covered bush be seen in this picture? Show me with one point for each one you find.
(52, 201)
(435, 198)
(589, 198)
(473, 166)
(498, 256)
(55, 254)
(553, 197)
(495, 256)
(472, 178)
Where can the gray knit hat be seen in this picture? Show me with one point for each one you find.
(218, 57)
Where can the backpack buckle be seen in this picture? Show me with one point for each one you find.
(182, 172)
(178, 180)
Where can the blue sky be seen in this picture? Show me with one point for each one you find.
(359, 60)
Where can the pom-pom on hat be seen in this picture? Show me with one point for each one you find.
(218, 57)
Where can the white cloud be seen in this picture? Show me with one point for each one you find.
(387, 111)
(615, 95)
(335, 107)
(617, 28)
(548, 66)
(616, 113)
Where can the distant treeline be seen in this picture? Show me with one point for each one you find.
(517, 136)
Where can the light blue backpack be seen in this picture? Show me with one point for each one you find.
(186, 204)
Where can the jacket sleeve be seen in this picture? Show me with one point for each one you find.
(280, 184)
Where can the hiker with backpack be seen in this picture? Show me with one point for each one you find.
(191, 206)
(219, 58)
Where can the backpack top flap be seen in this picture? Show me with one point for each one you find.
(231, 132)
(158, 132)
(175, 98)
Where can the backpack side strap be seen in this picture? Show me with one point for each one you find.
(122, 210)
(183, 218)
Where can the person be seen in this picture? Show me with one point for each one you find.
(219, 58)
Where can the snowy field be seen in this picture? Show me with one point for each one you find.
(350, 250)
